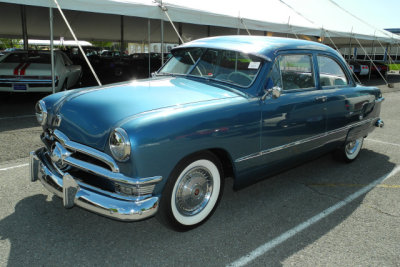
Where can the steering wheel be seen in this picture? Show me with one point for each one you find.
(239, 78)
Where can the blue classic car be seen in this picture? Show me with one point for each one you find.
(245, 107)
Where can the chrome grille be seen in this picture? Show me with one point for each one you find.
(93, 167)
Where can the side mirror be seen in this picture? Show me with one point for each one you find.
(274, 93)
(154, 74)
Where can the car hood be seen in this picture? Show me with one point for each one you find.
(88, 116)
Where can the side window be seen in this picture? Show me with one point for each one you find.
(330, 72)
(275, 75)
(297, 72)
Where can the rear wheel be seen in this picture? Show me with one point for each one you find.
(350, 151)
(192, 192)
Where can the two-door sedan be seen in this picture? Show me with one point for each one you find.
(245, 107)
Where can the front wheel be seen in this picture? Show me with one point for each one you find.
(350, 151)
(192, 192)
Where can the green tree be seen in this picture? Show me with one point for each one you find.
(102, 44)
(9, 43)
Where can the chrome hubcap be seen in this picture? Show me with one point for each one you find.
(194, 191)
(352, 147)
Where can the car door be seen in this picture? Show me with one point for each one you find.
(295, 122)
(347, 105)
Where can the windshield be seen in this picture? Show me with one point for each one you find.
(224, 65)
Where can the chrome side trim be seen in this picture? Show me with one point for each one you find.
(299, 142)
(76, 147)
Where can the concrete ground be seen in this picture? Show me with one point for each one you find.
(323, 213)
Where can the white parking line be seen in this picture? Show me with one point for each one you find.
(386, 143)
(13, 167)
(290, 233)
(17, 117)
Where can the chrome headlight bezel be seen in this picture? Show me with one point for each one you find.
(120, 145)
(41, 112)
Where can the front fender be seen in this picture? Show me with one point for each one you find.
(160, 140)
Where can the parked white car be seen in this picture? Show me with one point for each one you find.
(30, 71)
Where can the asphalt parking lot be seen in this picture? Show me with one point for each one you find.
(323, 213)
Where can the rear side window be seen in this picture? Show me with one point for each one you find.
(31, 57)
(296, 72)
(330, 72)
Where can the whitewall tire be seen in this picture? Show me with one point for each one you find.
(350, 151)
(192, 192)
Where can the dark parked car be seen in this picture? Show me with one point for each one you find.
(245, 107)
(140, 63)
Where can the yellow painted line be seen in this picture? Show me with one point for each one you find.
(354, 185)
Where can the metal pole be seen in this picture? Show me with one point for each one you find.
(122, 46)
(53, 82)
(370, 63)
(77, 42)
(351, 35)
(162, 42)
(385, 55)
(180, 29)
(148, 50)
(24, 29)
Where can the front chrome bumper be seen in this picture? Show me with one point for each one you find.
(74, 192)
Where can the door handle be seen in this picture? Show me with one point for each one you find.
(321, 98)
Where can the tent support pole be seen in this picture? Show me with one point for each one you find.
(373, 63)
(350, 52)
(77, 42)
(24, 29)
(163, 8)
(122, 46)
(162, 42)
(337, 49)
(386, 54)
(245, 26)
(148, 50)
(370, 64)
(180, 30)
(53, 83)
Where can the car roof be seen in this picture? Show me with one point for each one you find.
(263, 46)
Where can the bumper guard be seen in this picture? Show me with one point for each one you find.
(74, 192)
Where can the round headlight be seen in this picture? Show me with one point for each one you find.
(41, 112)
(120, 145)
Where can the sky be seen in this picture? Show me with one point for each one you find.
(382, 14)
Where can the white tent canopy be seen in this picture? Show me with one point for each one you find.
(294, 17)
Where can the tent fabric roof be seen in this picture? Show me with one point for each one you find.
(284, 16)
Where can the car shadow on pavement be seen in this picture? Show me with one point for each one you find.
(18, 104)
(42, 233)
